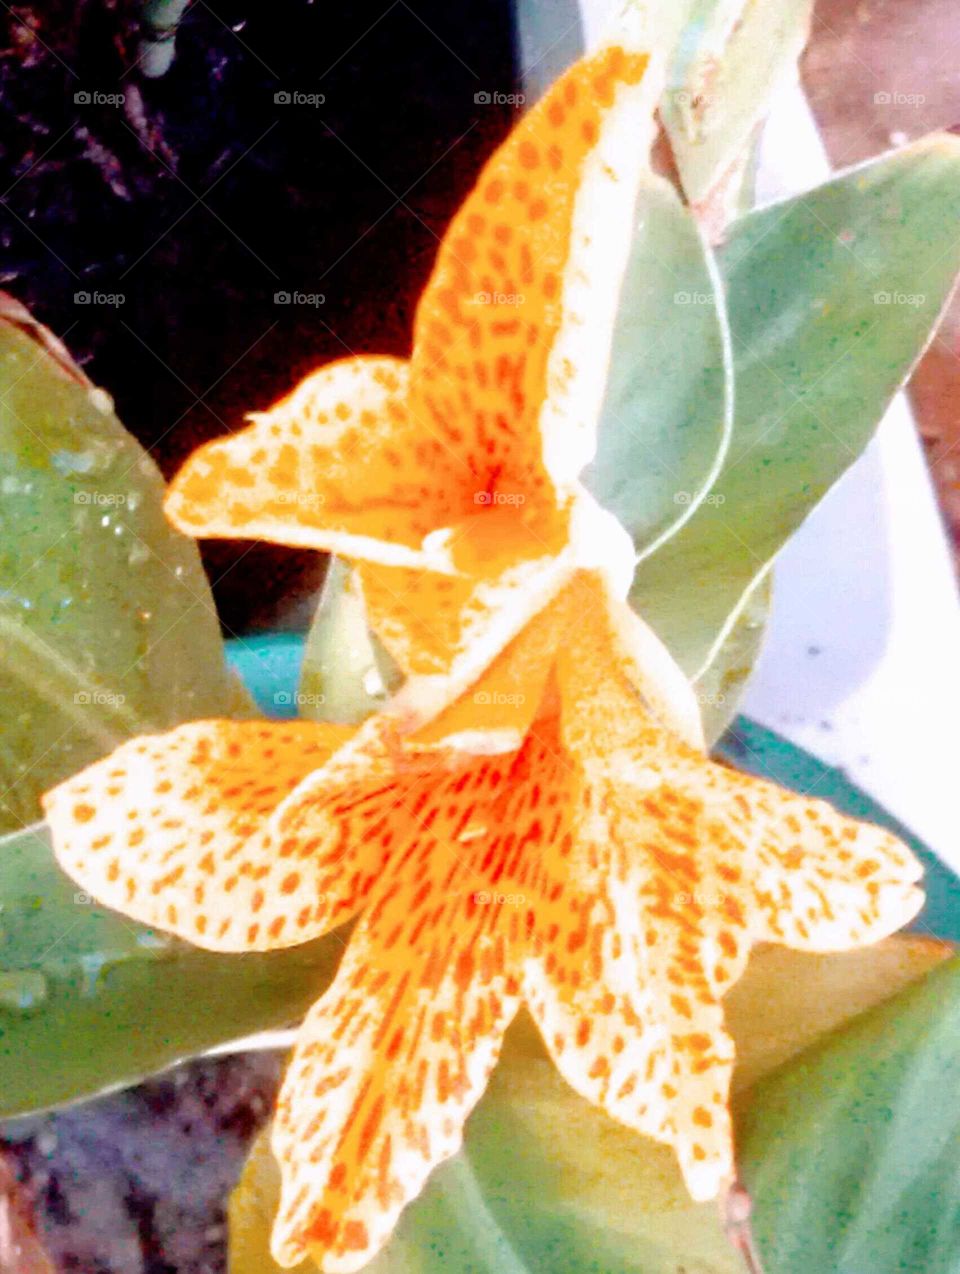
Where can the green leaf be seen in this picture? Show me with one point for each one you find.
(723, 681)
(347, 674)
(733, 56)
(850, 1152)
(548, 1182)
(831, 298)
(668, 407)
(90, 1000)
(107, 626)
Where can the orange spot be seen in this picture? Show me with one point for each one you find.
(528, 155)
(355, 1237)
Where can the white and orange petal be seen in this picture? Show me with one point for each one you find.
(235, 835)
(392, 1059)
(338, 465)
(513, 331)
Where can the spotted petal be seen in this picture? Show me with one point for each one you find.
(338, 465)
(513, 332)
(392, 1059)
(238, 836)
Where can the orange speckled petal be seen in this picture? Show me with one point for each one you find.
(236, 835)
(392, 1059)
(337, 465)
(685, 864)
(445, 631)
(787, 867)
(627, 1032)
(513, 332)
(809, 878)
(615, 980)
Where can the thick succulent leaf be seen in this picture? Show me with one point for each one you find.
(347, 673)
(548, 1182)
(850, 1152)
(831, 298)
(733, 56)
(668, 407)
(107, 626)
(89, 1000)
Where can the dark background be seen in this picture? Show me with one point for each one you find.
(201, 197)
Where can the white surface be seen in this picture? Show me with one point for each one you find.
(868, 585)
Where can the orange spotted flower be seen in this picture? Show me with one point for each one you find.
(604, 873)
(451, 479)
(534, 821)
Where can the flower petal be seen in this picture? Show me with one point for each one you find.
(809, 877)
(338, 465)
(236, 835)
(615, 979)
(392, 1059)
(445, 631)
(609, 1019)
(502, 366)
(786, 868)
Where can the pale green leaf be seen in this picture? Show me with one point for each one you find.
(107, 626)
(831, 298)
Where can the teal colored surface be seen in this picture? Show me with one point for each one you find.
(270, 666)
